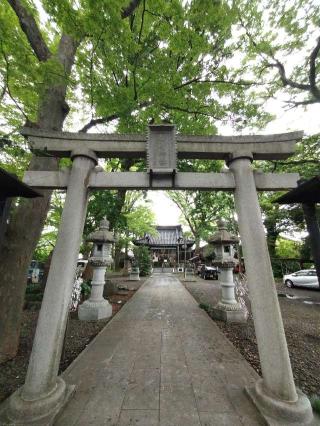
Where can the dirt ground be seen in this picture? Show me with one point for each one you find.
(302, 327)
(78, 336)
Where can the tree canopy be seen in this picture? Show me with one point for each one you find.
(121, 64)
(280, 45)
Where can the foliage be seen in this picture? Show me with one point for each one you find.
(116, 76)
(86, 287)
(288, 218)
(33, 297)
(141, 221)
(305, 250)
(305, 161)
(33, 289)
(143, 259)
(287, 249)
(129, 214)
(200, 210)
(280, 46)
(208, 252)
(315, 402)
(49, 234)
(222, 59)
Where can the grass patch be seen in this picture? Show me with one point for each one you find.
(315, 403)
(204, 306)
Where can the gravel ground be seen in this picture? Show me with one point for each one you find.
(302, 328)
(78, 336)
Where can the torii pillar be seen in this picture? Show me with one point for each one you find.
(44, 392)
(275, 394)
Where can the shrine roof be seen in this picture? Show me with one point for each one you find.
(306, 192)
(166, 236)
(11, 186)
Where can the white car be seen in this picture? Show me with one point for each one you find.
(303, 278)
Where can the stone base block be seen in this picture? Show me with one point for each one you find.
(189, 279)
(37, 412)
(134, 277)
(281, 413)
(90, 311)
(237, 315)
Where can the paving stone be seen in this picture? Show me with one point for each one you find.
(148, 360)
(178, 412)
(243, 406)
(221, 419)
(143, 390)
(160, 361)
(176, 374)
(139, 418)
(211, 395)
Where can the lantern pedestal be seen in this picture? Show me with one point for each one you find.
(189, 275)
(90, 311)
(228, 309)
(231, 313)
(134, 274)
(96, 307)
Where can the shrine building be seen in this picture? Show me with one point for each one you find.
(167, 247)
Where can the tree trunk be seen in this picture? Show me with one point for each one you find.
(272, 235)
(309, 211)
(28, 219)
(271, 241)
(46, 269)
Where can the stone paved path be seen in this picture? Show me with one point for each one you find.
(160, 362)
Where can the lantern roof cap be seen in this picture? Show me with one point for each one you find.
(222, 236)
(102, 234)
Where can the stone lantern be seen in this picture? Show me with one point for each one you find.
(96, 307)
(227, 309)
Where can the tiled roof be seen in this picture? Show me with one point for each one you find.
(167, 236)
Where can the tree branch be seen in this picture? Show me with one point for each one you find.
(6, 77)
(188, 111)
(300, 103)
(142, 21)
(197, 80)
(7, 87)
(103, 120)
(94, 121)
(30, 28)
(285, 80)
(312, 72)
(128, 11)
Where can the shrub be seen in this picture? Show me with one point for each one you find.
(86, 288)
(205, 307)
(33, 289)
(143, 260)
(315, 402)
(34, 297)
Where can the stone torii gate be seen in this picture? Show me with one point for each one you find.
(44, 393)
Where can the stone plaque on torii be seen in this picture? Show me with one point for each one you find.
(44, 392)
